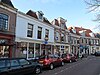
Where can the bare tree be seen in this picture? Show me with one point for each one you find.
(94, 6)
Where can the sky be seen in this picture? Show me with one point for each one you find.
(74, 11)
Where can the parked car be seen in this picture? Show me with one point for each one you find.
(74, 57)
(18, 66)
(50, 61)
(69, 57)
(97, 53)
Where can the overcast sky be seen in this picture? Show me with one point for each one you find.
(74, 11)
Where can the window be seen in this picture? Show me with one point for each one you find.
(2, 63)
(57, 38)
(3, 22)
(63, 25)
(78, 41)
(30, 30)
(85, 40)
(74, 40)
(4, 51)
(82, 40)
(31, 50)
(14, 63)
(39, 32)
(46, 33)
(40, 16)
(37, 49)
(62, 37)
(23, 62)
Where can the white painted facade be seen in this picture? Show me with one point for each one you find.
(21, 33)
(21, 28)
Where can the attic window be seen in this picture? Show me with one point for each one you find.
(74, 31)
(40, 16)
(63, 25)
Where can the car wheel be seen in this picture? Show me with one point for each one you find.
(62, 63)
(51, 66)
(37, 70)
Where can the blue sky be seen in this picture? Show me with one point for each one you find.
(74, 11)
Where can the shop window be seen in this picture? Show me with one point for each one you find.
(39, 35)
(37, 49)
(21, 50)
(30, 30)
(31, 50)
(3, 21)
(4, 51)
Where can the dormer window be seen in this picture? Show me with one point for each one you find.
(74, 31)
(40, 15)
(63, 25)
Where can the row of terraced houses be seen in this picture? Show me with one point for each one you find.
(31, 34)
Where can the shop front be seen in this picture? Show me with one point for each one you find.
(31, 49)
(6, 46)
(61, 48)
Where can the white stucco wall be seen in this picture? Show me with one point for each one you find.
(22, 23)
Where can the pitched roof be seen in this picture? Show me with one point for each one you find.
(33, 14)
(55, 21)
(46, 20)
(87, 31)
(8, 2)
(78, 29)
(70, 29)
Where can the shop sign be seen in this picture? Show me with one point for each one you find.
(2, 41)
(46, 42)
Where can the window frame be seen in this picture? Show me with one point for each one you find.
(4, 25)
(30, 30)
(46, 33)
(39, 33)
